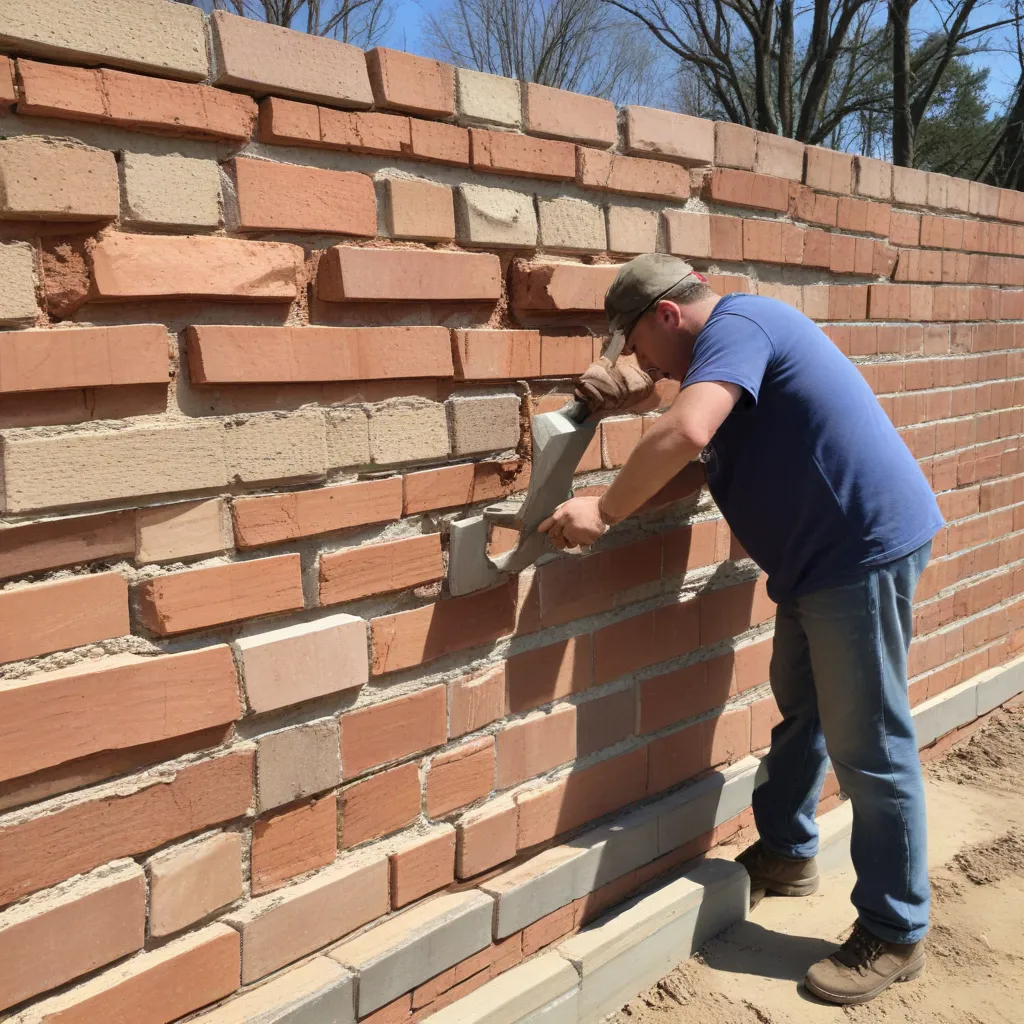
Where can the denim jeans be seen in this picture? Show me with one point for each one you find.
(839, 675)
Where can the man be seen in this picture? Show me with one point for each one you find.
(824, 495)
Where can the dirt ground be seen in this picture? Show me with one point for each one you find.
(975, 969)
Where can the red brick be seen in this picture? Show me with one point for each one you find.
(726, 238)
(689, 547)
(603, 722)
(197, 598)
(417, 85)
(675, 758)
(392, 730)
(508, 153)
(872, 178)
(733, 609)
(286, 121)
(618, 439)
(609, 172)
(743, 188)
(49, 617)
(292, 842)
(476, 701)
(359, 132)
(561, 114)
(535, 745)
(379, 275)
(909, 186)
(904, 228)
(422, 866)
(379, 568)
(496, 354)
(726, 738)
(762, 240)
(813, 207)
(420, 209)
(463, 485)
(735, 145)
(764, 716)
(287, 197)
(136, 102)
(460, 776)
(380, 804)
(828, 170)
(440, 143)
(646, 639)
(565, 353)
(59, 542)
(8, 94)
(486, 837)
(396, 1012)
(278, 517)
(117, 703)
(683, 693)
(121, 821)
(560, 286)
(544, 674)
(549, 929)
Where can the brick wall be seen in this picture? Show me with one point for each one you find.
(272, 319)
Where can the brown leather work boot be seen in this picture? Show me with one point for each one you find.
(863, 966)
(780, 876)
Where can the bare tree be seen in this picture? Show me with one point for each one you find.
(362, 22)
(1004, 164)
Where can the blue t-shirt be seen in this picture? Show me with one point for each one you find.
(808, 471)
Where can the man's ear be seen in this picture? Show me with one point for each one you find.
(668, 314)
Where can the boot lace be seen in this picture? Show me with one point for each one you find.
(860, 950)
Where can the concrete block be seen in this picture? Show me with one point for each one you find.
(946, 712)
(617, 849)
(632, 229)
(146, 35)
(572, 225)
(485, 424)
(297, 763)
(487, 99)
(170, 191)
(494, 217)
(563, 1010)
(408, 430)
(298, 663)
(414, 946)
(348, 438)
(313, 993)
(17, 284)
(834, 831)
(999, 685)
(513, 996)
(262, 449)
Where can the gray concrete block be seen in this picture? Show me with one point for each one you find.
(511, 997)
(297, 763)
(487, 99)
(999, 685)
(414, 946)
(617, 849)
(486, 423)
(571, 225)
(494, 216)
(563, 1010)
(946, 712)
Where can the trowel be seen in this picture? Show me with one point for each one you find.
(559, 440)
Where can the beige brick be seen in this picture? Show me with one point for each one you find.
(73, 469)
(264, 59)
(17, 284)
(266, 448)
(571, 224)
(632, 230)
(185, 529)
(485, 424)
(348, 438)
(170, 191)
(420, 209)
(43, 179)
(487, 99)
(148, 35)
(303, 662)
(297, 763)
(494, 216)
(688, 234)
(188, 882)
(690, 140)
(406, 430)
(64, 933)
(562, 114)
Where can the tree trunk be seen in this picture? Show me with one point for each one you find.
(902, 122)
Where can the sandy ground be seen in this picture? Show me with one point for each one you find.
(975, 971)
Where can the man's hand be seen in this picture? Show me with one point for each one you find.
(606, 386)
(576, 522)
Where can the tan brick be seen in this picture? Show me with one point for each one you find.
(406, 430)
(483, 424)
(506, 153)
(105, 915)
(68, 613)
(690, 140)
(571, 225)
(293, 842)
(122, 819)
(117, 702)
(379, 568)
(348, 437)
(42, 179)
(632, 230)
(610, 172)
(168, 42)
(420, 209)
(560, 286)
(185, 529)
(178, 978)
(779, 156)
(279, 929)
(186, 883)
(495, 217)
(735, 146)
(486, 837)
(423, 865)
(476, 701)
(828, 170)
(380, 804)
(560, 114)
(872, 178)
(70, 469)
(83, 357)
(460, 776)
(261, 449)
(286, 197)
(197, 598)
(487, 99)
(262, 58)
(17, 284)
(688, 234)
(418, 85)
(536, 744)
(60, 542)
(296, 763)
(381, 275)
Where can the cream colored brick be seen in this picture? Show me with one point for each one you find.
(147, 35)
(77, 469)
(485, 424)
(297, 763)
(632, 230)
(182, 530)
(17, 284)
(170, 191)
(487, 99)
(266, 448)
(408, 430)
(494, 216)
(348, 438)
(571, 224)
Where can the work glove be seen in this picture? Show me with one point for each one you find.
(606, 386)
